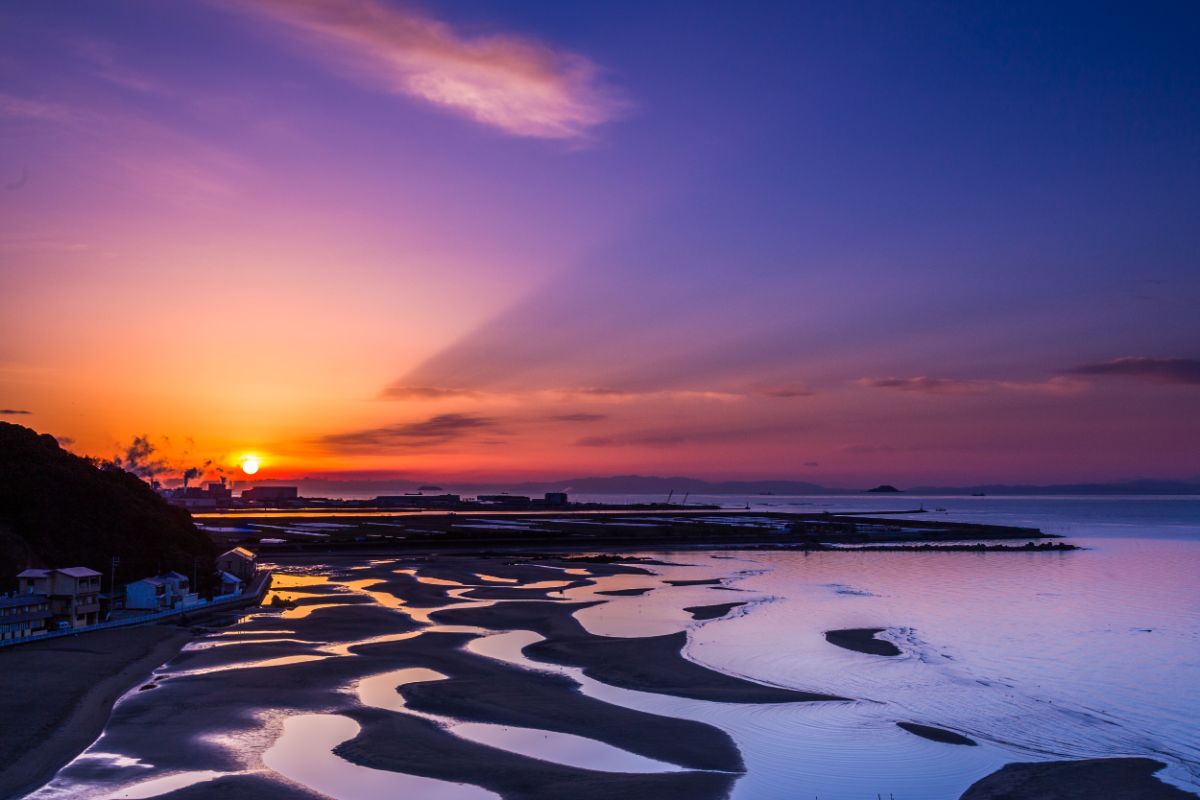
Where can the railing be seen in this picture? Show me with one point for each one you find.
(258, 587)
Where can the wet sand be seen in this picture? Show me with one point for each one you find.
(647, 664)
(698, 582)
(56, 696)
(715, 611)
(936, 734)
(487, 690)
(626, 592)
(1108, 778)
(420, 747)
(862, 640)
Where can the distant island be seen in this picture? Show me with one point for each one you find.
(885, 488)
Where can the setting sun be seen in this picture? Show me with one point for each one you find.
(250, 465)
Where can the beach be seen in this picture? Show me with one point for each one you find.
(62, 692)
(544, 676)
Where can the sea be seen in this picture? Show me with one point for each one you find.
(1035, 655)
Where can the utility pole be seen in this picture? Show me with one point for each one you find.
(112, 587)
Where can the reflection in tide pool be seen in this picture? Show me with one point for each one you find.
(168, 783)
(380, 691)
(304, 754)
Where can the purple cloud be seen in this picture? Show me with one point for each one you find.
(1149, 370)
(433, 431)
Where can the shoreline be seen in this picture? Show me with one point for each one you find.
(61, 718)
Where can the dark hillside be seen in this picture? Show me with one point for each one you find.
(58, 509)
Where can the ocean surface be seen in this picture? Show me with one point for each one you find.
(1037, 656)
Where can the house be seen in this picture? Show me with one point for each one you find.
(23, 615)
(180, 588)
(238, 562)
(229, 584)
(74, 593)
(162, 592)
(148, 594)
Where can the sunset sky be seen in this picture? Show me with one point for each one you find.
(836, 242)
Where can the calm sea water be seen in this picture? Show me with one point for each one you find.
(1157, 517)
(1037, 656)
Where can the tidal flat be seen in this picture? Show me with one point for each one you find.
(521, 676)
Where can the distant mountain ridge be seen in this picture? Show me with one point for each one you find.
(1133, 487)
(681, 485)
(648, 484)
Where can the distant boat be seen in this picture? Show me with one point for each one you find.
(978, 494)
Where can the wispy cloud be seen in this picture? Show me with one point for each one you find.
(425, 433)
(666, 437)
(1150, 370)
(785, 390)
(663, 438)
(581, 416)
(613, 395)
(150, 156)
(13, 412)
(922, 384)
(30, 109)
(404, 392)
(105, 63)
(513, 83)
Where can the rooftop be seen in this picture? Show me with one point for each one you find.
(238, 551)
(78, 572)
(20, 600)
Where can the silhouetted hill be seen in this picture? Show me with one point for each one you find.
(57, 509)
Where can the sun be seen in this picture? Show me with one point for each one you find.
(250, 465)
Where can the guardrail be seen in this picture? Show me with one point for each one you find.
(258, 587)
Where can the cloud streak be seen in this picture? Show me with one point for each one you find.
(1149, 370)
(581, 416)
(923, 384)
(404, 392)
(514, 84)
(436, 430)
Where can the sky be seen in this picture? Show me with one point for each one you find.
(845, 243)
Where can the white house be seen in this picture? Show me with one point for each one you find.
(230, 584)
(148, 594)
(180, 588)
